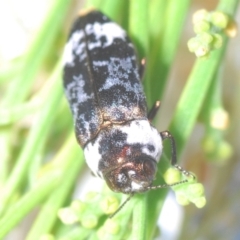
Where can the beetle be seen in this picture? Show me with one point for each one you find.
(102, 84)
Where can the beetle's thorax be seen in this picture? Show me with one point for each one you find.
(125, 155)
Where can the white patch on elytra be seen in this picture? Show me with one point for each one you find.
(80, 117)
(119, 69)
(74, 45)
(92, 156)
(100, 63)
(108, 30)
(141, 132)
(74, 90)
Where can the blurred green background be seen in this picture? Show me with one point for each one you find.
(40, 161)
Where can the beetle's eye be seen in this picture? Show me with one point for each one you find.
(149, 168)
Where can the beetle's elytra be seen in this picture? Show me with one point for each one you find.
(103, 87)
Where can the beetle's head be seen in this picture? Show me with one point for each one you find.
(132, 175)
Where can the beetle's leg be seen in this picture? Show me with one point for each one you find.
(167, 134)
(153, 111)
(142, 68)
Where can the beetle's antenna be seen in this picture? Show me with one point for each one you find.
(122, 205)
(186, 173)
(166, 185)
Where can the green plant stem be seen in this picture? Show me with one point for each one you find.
(155, 201)
(138, 29)
(38, 50)
(71, 163)
(23, 206)
(36, 136)
(171, 37)
(12, 114)
(197, 85)
(138, 26)
(74, 234)
(9, 70)
(228, 6)
(190, 104)
(156, 14)
(193, 96)
(5, 150)
(146, 210)
(140, 218)
(64, 164)
(164, 46)
(213, 99)
(27, 68)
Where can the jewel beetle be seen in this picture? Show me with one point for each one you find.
(102, 84)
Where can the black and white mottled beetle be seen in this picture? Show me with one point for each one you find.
(102, 85)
